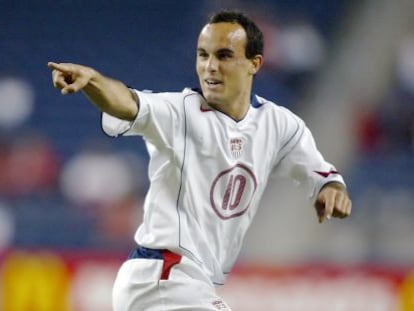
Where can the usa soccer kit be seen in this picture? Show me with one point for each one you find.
(207, 175)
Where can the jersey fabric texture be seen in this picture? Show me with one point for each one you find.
(208, 172)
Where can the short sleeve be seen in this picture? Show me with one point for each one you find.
(302, 161)
(158, 119)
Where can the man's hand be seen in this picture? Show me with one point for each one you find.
(333, 201)
(109, 95)
(70, 78)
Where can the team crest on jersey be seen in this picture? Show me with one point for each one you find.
(236, 147)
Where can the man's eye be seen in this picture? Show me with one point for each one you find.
(224, 56)
(202, 55)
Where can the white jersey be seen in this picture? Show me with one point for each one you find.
(208, 172)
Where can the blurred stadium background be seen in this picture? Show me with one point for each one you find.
(70, 197)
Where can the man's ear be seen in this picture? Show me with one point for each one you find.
(256, 64)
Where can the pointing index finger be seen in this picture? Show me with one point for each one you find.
(60, 67)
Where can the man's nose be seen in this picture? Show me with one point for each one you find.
(212, 64)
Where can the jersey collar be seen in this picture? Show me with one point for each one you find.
(254, 102)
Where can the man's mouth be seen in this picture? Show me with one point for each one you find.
(212, 82)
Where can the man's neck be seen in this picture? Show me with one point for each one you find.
(235, 111)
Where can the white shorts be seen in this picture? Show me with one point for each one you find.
(159, 280)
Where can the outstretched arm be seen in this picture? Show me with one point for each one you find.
(109, 95)
(333, 201)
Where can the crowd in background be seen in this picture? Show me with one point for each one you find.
(64, 184)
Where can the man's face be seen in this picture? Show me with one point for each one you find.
(224, 72)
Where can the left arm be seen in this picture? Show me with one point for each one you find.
(333, 201)
(302, 161)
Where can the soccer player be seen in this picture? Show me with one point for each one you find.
(212, 151)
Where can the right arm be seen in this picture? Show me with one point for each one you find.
(109, 95)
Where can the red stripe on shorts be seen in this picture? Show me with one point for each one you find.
(170, 259)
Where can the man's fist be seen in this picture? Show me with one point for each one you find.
(333, 201)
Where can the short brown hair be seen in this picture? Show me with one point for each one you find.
(254, 45)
